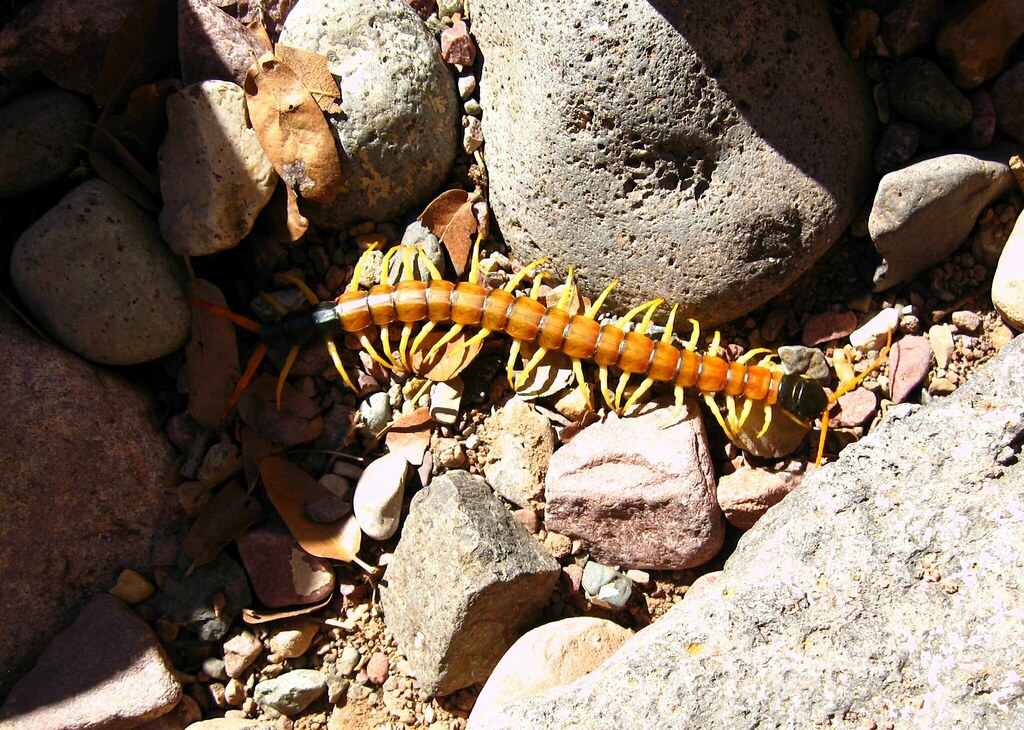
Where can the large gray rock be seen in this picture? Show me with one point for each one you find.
(82, 466)
(705, 153)
(884, 591)
(465, 581)
(397, 133)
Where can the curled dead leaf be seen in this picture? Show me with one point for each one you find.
(292, 129)
(410, 435)
(252, 616)
(224, 518)
(451, 360)
(292, 490)
(316, 76)
(450, 217)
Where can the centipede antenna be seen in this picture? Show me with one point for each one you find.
(312, 298)
(336, 359)
(279, 309)
(289, 361)
(255, 359)
(516, 280)
(244, 322)
(357, 271)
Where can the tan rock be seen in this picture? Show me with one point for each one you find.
(549, 656)
(978, 39)
(747, 494)
(1008, 282)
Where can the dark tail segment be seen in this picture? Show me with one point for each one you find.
(802, 397)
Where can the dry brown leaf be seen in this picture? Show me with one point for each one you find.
(447, 363)
(224, 518)
(252, 617)
(292, 129)
(312, 69)
(410, 435)
(296, 224)
(292, 490)
(450, 217)
(140, 51)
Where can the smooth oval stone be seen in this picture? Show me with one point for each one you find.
(38, 134)
(921, 92)
(377, 501)
(397, 133)
(688, 152)
(1008, 282)
(96, 275)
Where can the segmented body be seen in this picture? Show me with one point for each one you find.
(525, 319)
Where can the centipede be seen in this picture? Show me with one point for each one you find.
(622, 347)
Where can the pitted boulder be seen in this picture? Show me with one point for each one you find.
(705, 153)
(465, 581)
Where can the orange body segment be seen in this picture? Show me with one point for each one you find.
(553, 329)
(353, 311)
(759, 380)
(608, 344)
(713, 374)
(497, 306)
(635, 353)
(664, 362)
(734, 381)
(439, 300)
(581, 340)
(524, 319)
(468, 303)
(382, 308)
(410, 300)
(689, 369)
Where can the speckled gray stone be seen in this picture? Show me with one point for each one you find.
(923, 212)
(883, 592)
(704, 153)
(398, 129)
(38, 134)
(96, 275)
(465, 581)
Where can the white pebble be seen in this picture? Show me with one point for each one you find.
(872, 334)
(377, 502)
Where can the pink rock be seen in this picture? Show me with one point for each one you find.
(281, 572)
(636, 494)
(423, 8)
(746, 494)
(240, 651)
(65, 40)
(549, 656)
(855, 408)
(456, 45)
(214, 45)
(909, 361)
(106, 670)
(377, 668)
(828, 326)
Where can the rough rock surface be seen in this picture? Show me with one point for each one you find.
(520, 442)
(81, 471)
(38, 137)
(884, 591)
(97, 276)
(636, 493)
(923, 212)
(711, 170)
(397, 133)
(466, 578)
(214, 176)
(107, 670)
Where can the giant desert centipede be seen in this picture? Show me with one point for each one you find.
(366, 313)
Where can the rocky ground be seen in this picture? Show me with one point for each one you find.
(294, 568)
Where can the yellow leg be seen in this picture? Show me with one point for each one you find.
(715, 347)
(478, 337)
(691, 345)
(420, 336)
(474, 266)
(529, 367)
(603, 377)
(403, 347)
(278, 308)
(301, 285)
(744, 412)
(357, 271)
(368, 346)
(577, 371)
(523, 273)
(448, 337)
(619, 390)
(385, 341)
(713, 405)
(288, 363)
(513, 354)
(431, 269)
(638, 394)
(336, 359)
(594, 308)
(628, 317)
(750, 354)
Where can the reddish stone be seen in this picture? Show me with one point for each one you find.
(281, 572)
(377, 668)
(423, 8)
(106, 670)
(828, 326)
(855, 408)
(909, 362)
(456, 44)
(746, 494)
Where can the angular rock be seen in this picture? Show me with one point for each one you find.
(96, 275)
(106, 670)
(978, 37)
(465, 579)
(638, 494)
(214, 176)
(746, 494)
(240, 651)
(1006, 96)
(521, 442)
(855, 408)
(65, 40)
(548, 656)
(881, 591)
(38, 136)
(292, 692)
(922, 213)
(1008, 282)
(213, 44)
(828, 326)
(940, 337)
(921, 92)
(909, 27)
(82, 465)
(281, 572)
(397, 134)
(631, 148)
(873, 334)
